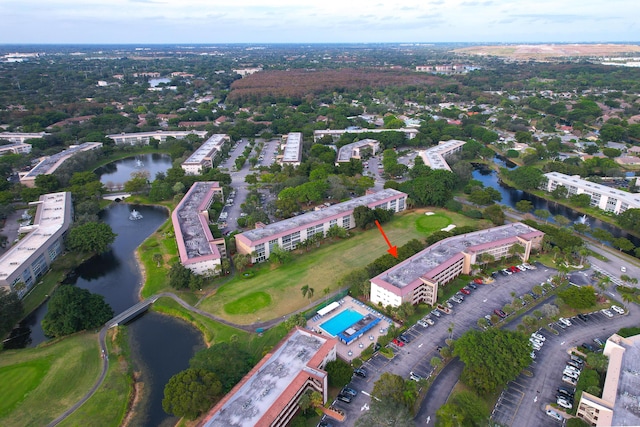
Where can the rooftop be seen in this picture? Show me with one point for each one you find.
(214, 143)
(434, 157)
(152, 134)
(51, 163)
(317, 216)
(53, 211)
(425, 262)
(575, 180)
(293, 147)
(346, 151)
(626, 410)
(262, 388)
(194, 229)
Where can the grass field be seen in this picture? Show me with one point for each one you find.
(108, 406)
(47, 380)
(320, 269)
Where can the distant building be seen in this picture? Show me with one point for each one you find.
(291, 149)
(606, 198)
(204, 156)
(49, 164)
(287, 234)
(15, 148)
(435, 157)
(160, 135)
(199, 251)
(352, 151)
(417, 279)
(31, 256)
(247, 71)
(337, 133)
(618, 405)
(21, 137)
(270, 393)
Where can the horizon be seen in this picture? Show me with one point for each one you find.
(162, 22)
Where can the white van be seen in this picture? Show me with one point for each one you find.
(555, 415)
(564, 321)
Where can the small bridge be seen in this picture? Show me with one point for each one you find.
(116, 196)
(131, 313)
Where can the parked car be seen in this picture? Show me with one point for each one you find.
(473, 285)
(564, 403)
(404, 338)
(361, 372)
(574, 364)
(577, 360)
(617, 309)
(430, 321)
(565, 390)
(435, 313)
(344, 398)
(349, 391)
(533, 355)
(570, 374)
(500, 313)
(538, 337)
(464, 291)
(564, 321)
(588, 346)
(397, 342)
(555, 415)
(423, 323)
(505, 272)
(598, 341)
(325, 423)
(535, 342)
(415, 377)
(569, 380)
(607, 313)
(583, 317)
(448, 304)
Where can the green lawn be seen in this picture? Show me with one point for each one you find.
(320, 268)
(108, 406)
(52, 378)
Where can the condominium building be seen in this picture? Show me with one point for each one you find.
(199, 251)
(352, 151)
(606, 198)
(337, 133)
(291, 149)
(204, 156)
(270, 393)
(49, 164)
(31, 256)
(21, 137)
(287, 234)
(416, 279)
(618, 405)
(160, 135)
(435, 157)
(15, 148)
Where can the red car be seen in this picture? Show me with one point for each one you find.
(397, 342)
(477, 281)
(514, 269)
(464, 291)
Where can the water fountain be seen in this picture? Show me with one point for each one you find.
(135, 215)
(582, 220)
(139, 163)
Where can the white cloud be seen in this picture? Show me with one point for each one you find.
(214, 21)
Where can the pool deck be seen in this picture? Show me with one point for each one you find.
(353, 350)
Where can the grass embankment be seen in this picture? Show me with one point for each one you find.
(109, 404)
(41, 383)
(271, 291)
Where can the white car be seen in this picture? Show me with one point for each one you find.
(565, 404)
(617, 309)
(536, 342)
(569, 380)
(530, 266)
(566, 322)
(538, 337)
(423, 323)
(536, 347)
(430, 321)
(533, 355)
(571, 374)
(572, 368)
(553, 414)
(607, 312)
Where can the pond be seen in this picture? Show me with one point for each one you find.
(113, 175)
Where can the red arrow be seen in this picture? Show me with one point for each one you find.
(393, 250)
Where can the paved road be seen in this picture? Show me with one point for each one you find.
(439, 393)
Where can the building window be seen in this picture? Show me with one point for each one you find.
(346, 222)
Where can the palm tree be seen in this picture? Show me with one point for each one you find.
(157, 258)
(450, 330)
(307, 291)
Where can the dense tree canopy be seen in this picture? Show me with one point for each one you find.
(492, 358)
(10, 310)
(91, 237)
(72, 309)
(229, 361)
(339, 373)
(191, 392)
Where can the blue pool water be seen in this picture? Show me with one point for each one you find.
(341, 321)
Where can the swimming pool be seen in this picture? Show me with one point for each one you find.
(341, 321)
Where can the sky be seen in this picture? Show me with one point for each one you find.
(317, 21)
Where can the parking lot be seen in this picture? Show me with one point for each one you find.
(524, 400)
(416, 355)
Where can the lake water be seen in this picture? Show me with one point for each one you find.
(115, 174)
(161, 345)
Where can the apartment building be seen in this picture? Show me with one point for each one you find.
(417, 278)
(291, 149)
(15, 148)
(435, 157)
(204, 156)
(49, 164)
(31, 256)
(270, 393)
(160, 135)
(337, 133)
(353, 150)
(287, 234)
(606, 198)
(199, 251)
(21, 137)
